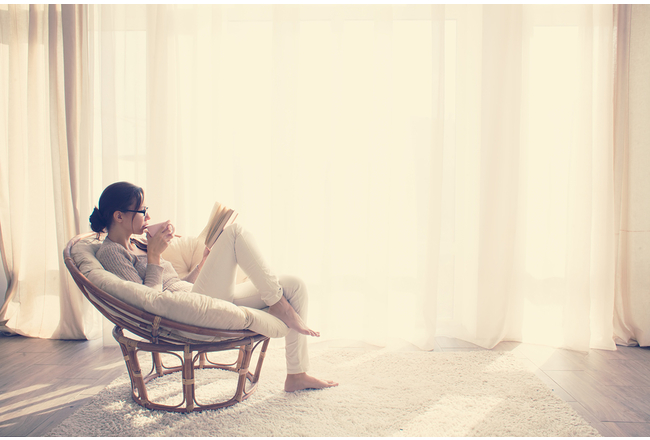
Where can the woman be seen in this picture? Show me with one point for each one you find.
(122, 213)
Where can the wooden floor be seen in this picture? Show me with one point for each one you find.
(44, 381)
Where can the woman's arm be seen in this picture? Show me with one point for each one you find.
(120, 262)
(156, 245)
(192, 276)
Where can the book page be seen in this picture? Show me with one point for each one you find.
(220, 217)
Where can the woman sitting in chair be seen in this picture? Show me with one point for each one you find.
(122, 213)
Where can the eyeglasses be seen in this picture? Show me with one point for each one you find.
(143, 212)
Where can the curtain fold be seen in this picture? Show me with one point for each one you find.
(42, 47)
(500, 129)
(631, 187)
(531, 257)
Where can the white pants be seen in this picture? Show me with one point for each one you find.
(234, 247)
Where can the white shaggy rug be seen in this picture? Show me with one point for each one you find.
(381, 393)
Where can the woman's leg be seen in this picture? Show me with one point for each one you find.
(297, 356)
(235, 246)
(295, 291)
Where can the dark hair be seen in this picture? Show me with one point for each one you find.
(119, 196)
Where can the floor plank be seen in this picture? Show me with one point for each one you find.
(619, 429)
(596, 399)
(27, 410)
(44, 381)
(621, 372)
(633, 397)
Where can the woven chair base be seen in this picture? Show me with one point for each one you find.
(190, 362)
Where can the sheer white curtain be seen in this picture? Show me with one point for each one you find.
(531, 213)
(44, 184)
(426, 169)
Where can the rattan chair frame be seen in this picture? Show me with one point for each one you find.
(161, 336)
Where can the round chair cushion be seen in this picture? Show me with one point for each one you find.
(184, 307)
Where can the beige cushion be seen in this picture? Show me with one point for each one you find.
(184, 253)
(184, 307)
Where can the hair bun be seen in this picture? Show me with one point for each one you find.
(97, 222)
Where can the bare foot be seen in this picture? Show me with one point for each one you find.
(303, 381)
(283, 310)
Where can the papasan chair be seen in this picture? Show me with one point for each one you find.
(188, 327)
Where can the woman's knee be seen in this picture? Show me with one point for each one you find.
(233, 229)
(293, 282)
(294, 289)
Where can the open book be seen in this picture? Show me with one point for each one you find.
(220, 217)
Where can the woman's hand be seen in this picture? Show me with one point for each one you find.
(206, 252)
(192, 276)
(157, 244)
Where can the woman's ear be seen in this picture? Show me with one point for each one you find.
(118, 216)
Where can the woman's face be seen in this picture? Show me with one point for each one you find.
(139, 221)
